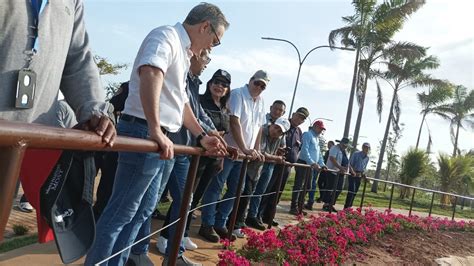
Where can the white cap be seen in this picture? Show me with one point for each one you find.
(283, 123)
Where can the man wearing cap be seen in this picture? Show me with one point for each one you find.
(358, 164)
(338, 162)
(247, 116)
(310, 154)
(259, 173)
(293, 145)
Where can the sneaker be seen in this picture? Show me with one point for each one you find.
(223, 233)
(255, 223)
(182, 261)
(158, 215)
(238, 233)
(189, 244)
(308, 206)
(138, 260)
(161, 244)
(209, 234)
(25, 206)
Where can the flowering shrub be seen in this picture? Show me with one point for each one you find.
(327, 238)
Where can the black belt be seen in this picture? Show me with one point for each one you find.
(134, 119)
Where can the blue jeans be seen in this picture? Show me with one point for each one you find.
(145, 229)
(262, 185)
(217, 216)
(177, 181)
(314, 185)
(132, 201)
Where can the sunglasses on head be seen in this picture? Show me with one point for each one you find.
(260, 84)
(222, 83)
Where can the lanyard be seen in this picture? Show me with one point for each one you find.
(38, 7)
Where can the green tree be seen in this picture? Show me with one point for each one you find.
(456, 175)
(429, 101)
(393, 159)
(404, 69)
(414, 164)
(368, 30)
(459, 112)
(106, 68)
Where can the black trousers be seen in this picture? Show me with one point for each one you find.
(300, 176)
(354, 184)
(107, 162)
(249, 189)
(267, 203)
(333, 181)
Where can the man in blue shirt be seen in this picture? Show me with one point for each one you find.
(358, 164)
(310, 154)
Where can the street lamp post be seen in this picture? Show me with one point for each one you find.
(302, 61)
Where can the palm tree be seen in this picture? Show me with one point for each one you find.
(414, 164)
(404, 69)
(429, 101)
(458, 112)
(456, 175)
(367, 31)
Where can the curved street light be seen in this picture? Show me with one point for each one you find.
(302, 61)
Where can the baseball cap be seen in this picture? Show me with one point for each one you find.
(319, 123)
(366, 144)
(303, 111)
(283, 123)
(261, 75)
(66, 204)
(222, 74)
(344, 141)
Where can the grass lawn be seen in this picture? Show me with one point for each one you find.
(18, 242)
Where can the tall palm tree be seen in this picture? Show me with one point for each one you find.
(404, 69)
(414, 164)
(459, 112)
(367, 31)
(429, 101)
(456, 175)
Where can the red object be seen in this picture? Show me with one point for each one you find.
(319, 123)
(35, 169)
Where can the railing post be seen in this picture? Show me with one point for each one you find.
(431, 204)
(10, 162)
(275, 202)
(233, 217)
(307, 177)
(363, 194)
(454, 207)
(391, 196)
(411, 202)
(183, 211)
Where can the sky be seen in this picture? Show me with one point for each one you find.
(117, 28)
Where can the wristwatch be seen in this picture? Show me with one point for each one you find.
(199, 137)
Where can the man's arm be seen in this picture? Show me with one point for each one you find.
(236, 129)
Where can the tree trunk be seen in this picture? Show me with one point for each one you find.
(359, 115)
(384, 143)
(351, 97)
(387, 171)
(455, 151)
(419, 131)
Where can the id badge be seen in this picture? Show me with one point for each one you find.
(25, 89)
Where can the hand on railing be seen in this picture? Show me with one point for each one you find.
(102, 126)
(165, 144)
(213, 146)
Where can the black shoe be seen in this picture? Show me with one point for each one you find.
(319, 200)
(294, 212)
(274, 223)
(209, 234)
(333, 209)
(255, 223)
(308, 206)
(223, 233)
(138, 260)
(158, 215)
(181, 261)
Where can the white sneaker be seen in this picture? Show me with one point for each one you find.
(25, 206)
(238, 233)
(189, 244)
(161, 244)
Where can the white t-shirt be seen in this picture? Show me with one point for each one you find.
(167, 48)
(335, 152)
(251, 114)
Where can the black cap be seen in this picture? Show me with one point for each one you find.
(344, 141)
(222, 74)
(66, 204)
(303, 111)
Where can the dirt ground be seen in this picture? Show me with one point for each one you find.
(414, 247)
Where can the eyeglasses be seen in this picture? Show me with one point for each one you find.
(215, 33)
(222, 83)
(260, 84)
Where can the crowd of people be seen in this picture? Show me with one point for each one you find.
(161, 102)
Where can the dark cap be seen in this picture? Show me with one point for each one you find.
(319, 124)
(66, 204)
(344, 141)
(303, 111)
(222, 74)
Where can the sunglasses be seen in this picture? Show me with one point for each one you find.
(218, 42)
(260, 84)
(222, 83)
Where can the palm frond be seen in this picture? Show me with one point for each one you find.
(379, 101)
(396, 113)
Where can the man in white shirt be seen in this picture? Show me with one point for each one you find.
(157, 104)
(247, 116)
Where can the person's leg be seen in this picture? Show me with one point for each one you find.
(133, 182)
(322, 184)
(225, 208)
(312, 189)
(244, 201)
(106, 183)
(340, 185)
(260, 189)
(329, 188)
(266, 210)
(350, 192)
(298, 185)
(206, 171)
